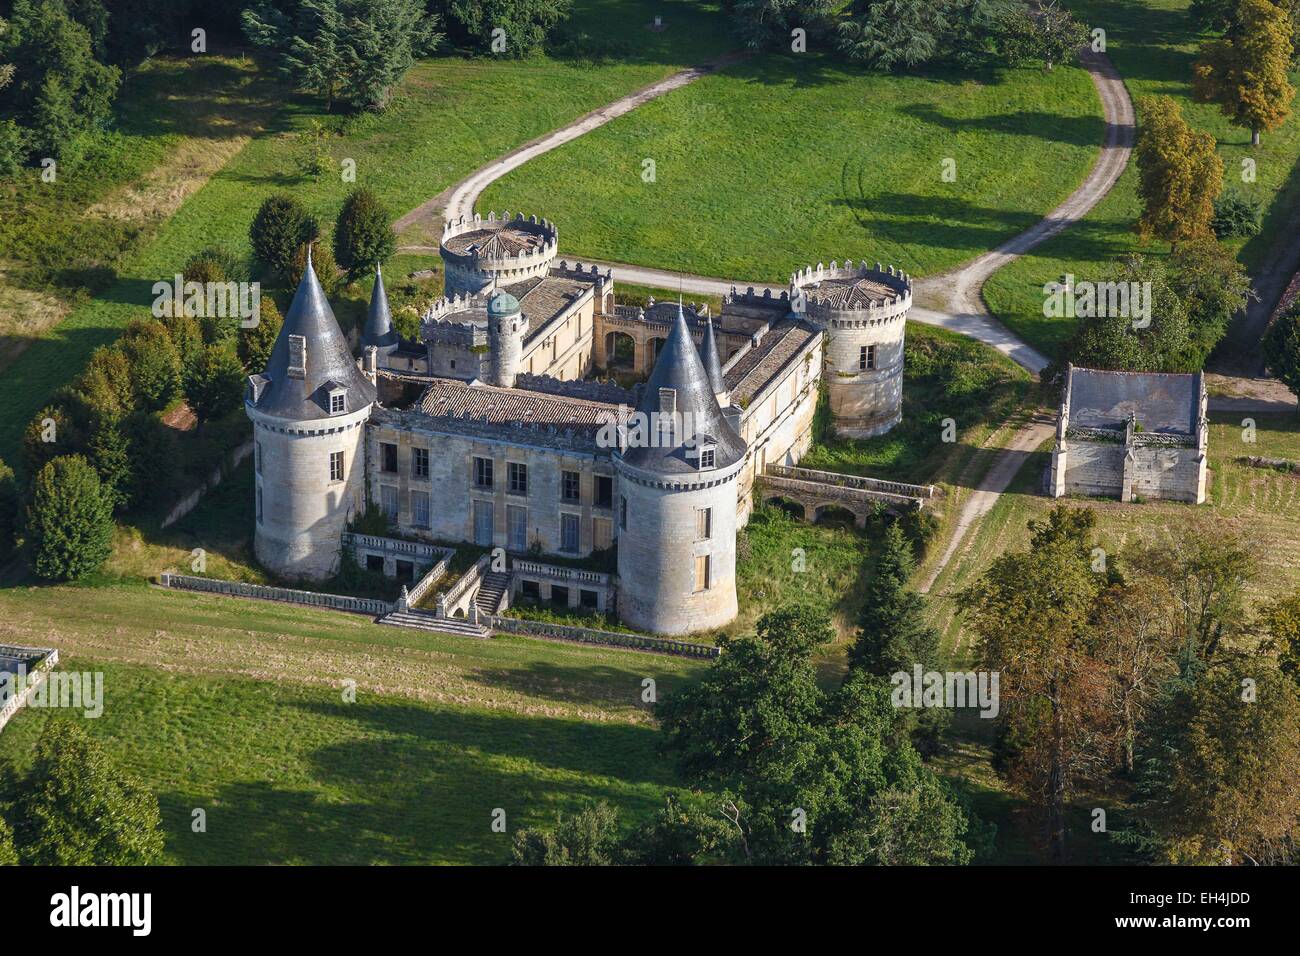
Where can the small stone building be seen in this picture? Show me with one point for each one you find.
(1131, 435)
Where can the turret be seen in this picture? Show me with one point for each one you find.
(677, 509)
(506, 327)
(713, 365)
(480, 255)
(309, 409)
(379, 330)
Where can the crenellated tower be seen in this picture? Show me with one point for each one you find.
(481, 255)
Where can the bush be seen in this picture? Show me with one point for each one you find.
(155, 364)
(363, 237)
(280, 227)
(1237, 216)
(69, 520)
(215, 385)
(255, 344)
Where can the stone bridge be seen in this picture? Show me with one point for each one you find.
(820, 491)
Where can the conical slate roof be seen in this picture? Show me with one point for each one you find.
(379, 330)
(712, 363)
(679, 367)
(329, 363)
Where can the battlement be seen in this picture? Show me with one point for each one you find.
(852, 294)
(578, 271)
(752, 298)
(516, 240)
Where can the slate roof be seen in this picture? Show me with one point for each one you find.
(712, 364)
(753, 370)
(329, 360)
(679, 367)
(379, 329)
(1168, 403)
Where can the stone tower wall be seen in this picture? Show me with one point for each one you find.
(303, 511)
(657, 550)
(471, 274)
(506, 344)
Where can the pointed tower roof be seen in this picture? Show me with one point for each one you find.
(297, 384)
(379, 329)
(712, 363)
(679, 368)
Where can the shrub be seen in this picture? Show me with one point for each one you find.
(155, 364)
(215, 384)
(69, 520)
(1237, 216)
(363, 237)
(280, 227)
(50, 433)
(255, 344)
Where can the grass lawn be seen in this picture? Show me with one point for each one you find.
(783, 161)
(1257, 505)
(450, 116)
(1153, 44)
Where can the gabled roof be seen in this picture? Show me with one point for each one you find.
(379, 330)
(679, 367)
(1163, 402)
(329, 360)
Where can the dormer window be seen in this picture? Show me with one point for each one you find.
(338, 401)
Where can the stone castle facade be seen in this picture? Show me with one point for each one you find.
(492, 429)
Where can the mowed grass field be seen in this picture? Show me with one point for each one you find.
(449, 116)
(1153, 44)
(1256, 506)
(237, 707)
(779, 162)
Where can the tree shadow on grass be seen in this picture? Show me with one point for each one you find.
(591, 684)
(1074, 130)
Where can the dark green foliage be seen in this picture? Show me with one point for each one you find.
(1237, 216)
(589, 837)
(893, 635)
(59, 90)
(255, 344)
(69, 521)
(106, 382)
(280, 227)
(902, 34)
(65, 437)
(155, 364)
(155, 461)
(767, 24)
(526, 23)
(1282, 348)
(13, 147)
(214, 264)
(78, 806)
(353, 51)
(322, 262)
(8, 852)
(189, 336)
(1048, 33)
(110, 453)
(363, 237)
(10, 499)
(1213, 287)
(215, 385)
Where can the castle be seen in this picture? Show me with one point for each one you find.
(493, 430)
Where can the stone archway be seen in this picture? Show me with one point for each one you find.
(620, 350)
(791, 506)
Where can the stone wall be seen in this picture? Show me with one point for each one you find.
(334, 602)
(587, 635)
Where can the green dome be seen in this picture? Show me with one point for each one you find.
(503, 303)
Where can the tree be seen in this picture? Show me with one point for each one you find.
(891, 34)
(1282, 348)
(1113, 340)
(60, 91)
(215, 386)
(1219, 770)
(155, 363)
(589, 837)
(106, 381)
(893, 635)
(1213, 287)
(77, 806)
(363, 237)
(155, 470)
(1245, 72)
(1048, 33)
(1221, 16)
(1281, 621)
(110, 453)
(280, 227)
(255, 342)
(354, 51)
(51, 433)
(8, 852)
(526, 22)
(69, 521)
(1179, 174)
(9, 503)
(1032, 614)
(767, 24)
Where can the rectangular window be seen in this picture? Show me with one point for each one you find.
(337, 402)
(516, 528)
(388, 499)
(517, 473)
(336, 466)
(569, 533)
(570, 486)
(701, 572)
(419, 463)
(257, 457)
(259, 505)
(867, 357)
(622, 512)
(420, 509)
(703, 524)
(482, 472)
(388, 457)
(482, 522)
(604, 491)
(602, 534)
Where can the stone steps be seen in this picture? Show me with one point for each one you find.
(424, 621)
(491, 589)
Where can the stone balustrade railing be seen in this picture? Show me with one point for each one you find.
(456, 593)
(588, 635)
(416, 549)
(852, 481)
(335, 602)
(48, 657)
(825, 491)
(561, 573)
(416, 592)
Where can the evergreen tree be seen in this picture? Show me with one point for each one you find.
(78, 806)
(893, 635)
(1179, 174)
(526, 23)
(363, 237)
(69, 521)
(215, 386)
(280, 227)
(110, 454)
(1245, 72)
(155, 468)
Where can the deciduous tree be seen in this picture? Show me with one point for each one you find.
(69, 525)
(1282, 348)
(1245, 71)
(1179, 174)
(363, 235)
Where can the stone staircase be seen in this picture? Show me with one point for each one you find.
(427, 621)
(491, 591)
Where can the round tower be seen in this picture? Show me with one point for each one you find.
(480, 255)
(506, 328)
(378, 330)
(309, 410)
(864, 310)
(677, 470)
